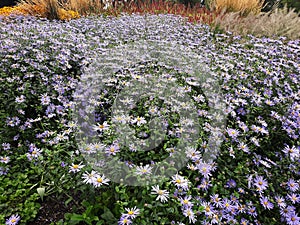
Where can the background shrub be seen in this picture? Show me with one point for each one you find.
(269, 4)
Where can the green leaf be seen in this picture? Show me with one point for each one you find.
(108, 216)
(77, 217)
(41, 192)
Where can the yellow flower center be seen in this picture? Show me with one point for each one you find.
(160, 192)
(130, 212)
(75, 166)
(99, 180)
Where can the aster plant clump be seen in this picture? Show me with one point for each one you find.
(253, 180)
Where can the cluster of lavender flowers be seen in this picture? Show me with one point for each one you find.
(254, 180)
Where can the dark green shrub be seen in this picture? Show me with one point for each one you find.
(281, 3)
(291, 4)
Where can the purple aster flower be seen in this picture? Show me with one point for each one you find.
(286, 211)
(205, 184)
(293, 219)
(231, 184)
(260, 183)
(216, 200)
(233, 133)
(186, 202)
(124, 220)
(292, 185)
(227, 205)
(205, 169)
(280, 201)
(5, 146)
(13, 220)
(252, 211)
(293, 152)
(294, 198)
(266, 203)
(208, 208)
(244, 221)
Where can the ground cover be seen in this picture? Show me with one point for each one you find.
(253, 177)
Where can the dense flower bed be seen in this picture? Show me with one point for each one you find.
(253, 180)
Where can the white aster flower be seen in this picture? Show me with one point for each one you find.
(100, 180)
(162, 195)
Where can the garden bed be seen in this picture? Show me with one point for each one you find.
(251, 130)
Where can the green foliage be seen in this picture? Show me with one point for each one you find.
(293, 4)
(18, 197)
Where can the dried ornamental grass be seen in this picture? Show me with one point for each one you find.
(40, 8)
(6, 11)
(85, 7)
(243, 6)
(52, 8)
(279, 22)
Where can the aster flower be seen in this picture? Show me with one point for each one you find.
(193, 154)
(74, 168)
(294, 198)
(124, 220)
(266, 203)
(216, 201)
(188, 212)
(233, 133)
(243, 147)
(260, 183)
(144, 170)
(139, 121)
(20, 99)
(227, 205)
(5, 146)
(293, 185)
(252, 211)
(292, 219)
(4, 159)
(132, 213)
(208, 208)
(162, 195)
(112, 149)
(231, 183)
(89, 178)
(280, 201)
(100, 180)
(101, 127)
(241, 190)
(205, 169)
(293, 152)
(119, 119)
(284, 212)
(34, 153)
(185, 202)
(180, 182)
(13, 220)
(205, 184)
